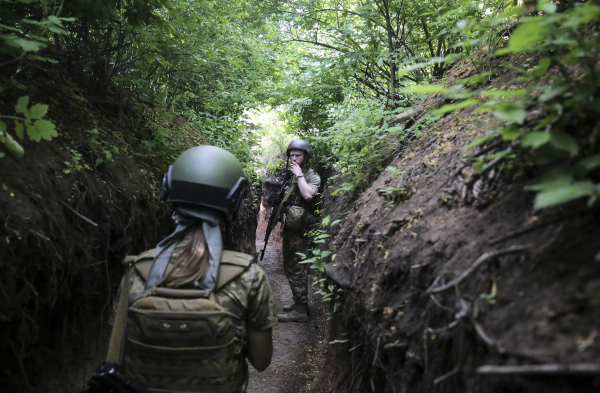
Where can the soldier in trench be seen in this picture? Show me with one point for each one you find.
(299, 192)
(193, 312)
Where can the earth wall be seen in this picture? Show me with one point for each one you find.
(68, 221)
(442, 270)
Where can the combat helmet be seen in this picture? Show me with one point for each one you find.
(207, 176)
(300, 144)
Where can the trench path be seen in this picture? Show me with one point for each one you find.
(295, 345)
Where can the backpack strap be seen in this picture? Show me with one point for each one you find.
(142, 262)
(115, 345)
(233, 264)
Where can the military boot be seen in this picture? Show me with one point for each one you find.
(290, 307)
(297, 314)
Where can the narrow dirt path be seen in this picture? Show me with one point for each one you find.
(296, 345)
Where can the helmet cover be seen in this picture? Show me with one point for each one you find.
(207, 176)
(300, 144)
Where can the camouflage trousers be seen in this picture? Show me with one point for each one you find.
(296, 273)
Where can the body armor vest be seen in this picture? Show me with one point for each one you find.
(183, 340)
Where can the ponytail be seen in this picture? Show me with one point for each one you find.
(193, 261)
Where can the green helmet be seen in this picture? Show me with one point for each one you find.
(207, 176)
(300, 144)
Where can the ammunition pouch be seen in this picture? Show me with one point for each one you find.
(295, 218)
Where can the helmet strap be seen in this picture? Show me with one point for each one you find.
(236, 194)
(165, 190)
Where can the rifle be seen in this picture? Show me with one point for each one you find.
(108, 379)
(276, 210)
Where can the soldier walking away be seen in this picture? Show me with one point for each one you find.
(195, 312)
(299, 192)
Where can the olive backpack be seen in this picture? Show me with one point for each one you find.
(180, 340)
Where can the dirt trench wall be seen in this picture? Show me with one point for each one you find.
(408, 327)
(67, 224)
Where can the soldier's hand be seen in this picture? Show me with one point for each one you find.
(295, 168)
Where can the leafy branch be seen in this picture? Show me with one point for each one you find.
(31, 121)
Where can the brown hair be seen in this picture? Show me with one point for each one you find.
(193, 261)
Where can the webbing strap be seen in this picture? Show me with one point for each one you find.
(176, 293)
(181, 371)
(233, 387)
(138, 349)
(115, 346)
(179, 341)
(284, 200)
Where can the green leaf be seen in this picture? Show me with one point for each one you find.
(563, 141)
(344, 187)
(539, 70)
(560, 175)
(323, 236)
(56, 29)
(510, 133)
(453, 107)
(25, 45)
(38, 111)
(480, 141)
(552, 91)
(582, 15)
(325, 221)
(19, 129)
(42, 58)
(529, 33)
(45, 129)
(564, 193)
(22, 104)
(535, 139)
(54, 19)
(424, 89)
(2, 126)
(546, 154)
(509, 111)
(310, 260)
(590, 163)
(407, 70)
(547, 8)
(32, 132)
(504, 93)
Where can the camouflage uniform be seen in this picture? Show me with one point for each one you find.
(295, 272)
(294, 241)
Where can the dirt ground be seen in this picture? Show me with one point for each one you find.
(296, 346)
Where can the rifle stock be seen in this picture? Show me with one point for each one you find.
(109, 379)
